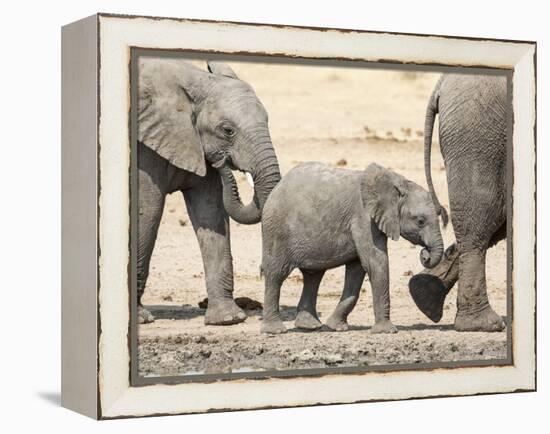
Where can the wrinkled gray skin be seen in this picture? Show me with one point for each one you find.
(194, 126)
(472, 134)
(319, 217)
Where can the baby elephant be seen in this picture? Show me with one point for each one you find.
(319, 217)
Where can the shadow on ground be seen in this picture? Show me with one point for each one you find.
(52, 398)
(175, 312)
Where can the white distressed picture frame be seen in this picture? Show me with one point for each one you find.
(96, 215)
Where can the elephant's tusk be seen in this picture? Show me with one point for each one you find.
(220, 163)
(250, 179)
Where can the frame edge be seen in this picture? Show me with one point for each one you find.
(79, 102)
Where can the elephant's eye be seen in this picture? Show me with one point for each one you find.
(228, 131)
(421, 220)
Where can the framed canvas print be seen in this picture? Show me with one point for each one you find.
(262, 216)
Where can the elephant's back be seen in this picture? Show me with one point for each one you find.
(310, 184)
(312, 200)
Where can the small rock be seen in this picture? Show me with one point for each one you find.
(243, 302)
(199, 339)
(454, 348)
(184, 355)
(205, 353)
(258, 350)
(408, 273)
(333, 359)
(305, 356)
(172, 210)
(167, 298)
(248, 304)
(342, 162)
(182, 222)
(178, 340)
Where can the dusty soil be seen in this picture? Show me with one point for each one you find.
(339, 116)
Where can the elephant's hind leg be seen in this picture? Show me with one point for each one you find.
(474, 313)
(355, 274)
(307, 317)
(477, 219)
(272, 322)
(211, 224)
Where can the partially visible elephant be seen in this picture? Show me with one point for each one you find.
(473, 112)
(320, 217)
(194, 127)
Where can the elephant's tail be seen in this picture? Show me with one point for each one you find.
(431, 112)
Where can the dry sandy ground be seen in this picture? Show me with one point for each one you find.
(316, 114)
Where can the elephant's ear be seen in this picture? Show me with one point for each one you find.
(165, 114)
(380, 193)
(221, 68)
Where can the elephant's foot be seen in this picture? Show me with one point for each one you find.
(307, 321)
(338, 320)
(223, 312)
(273, 326)
(385, 326)
(144, 316)
(429, 288)
(428, 293)
(337, 323)
(486, 320)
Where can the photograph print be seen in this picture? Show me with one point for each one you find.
(300, 217)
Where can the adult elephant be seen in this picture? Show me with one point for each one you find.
(194, 127)
(472, 135)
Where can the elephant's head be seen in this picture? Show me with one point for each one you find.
(400, 207)
(193, 117)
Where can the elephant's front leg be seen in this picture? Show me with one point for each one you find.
(379, 277)
(377, 266)
(355, 274)
(474, 313)
(372, 248)
(150, 206)
(211, 224)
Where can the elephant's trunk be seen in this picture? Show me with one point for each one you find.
(431, 255)
(266, 175)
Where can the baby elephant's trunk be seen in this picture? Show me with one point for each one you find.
(431, 255)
